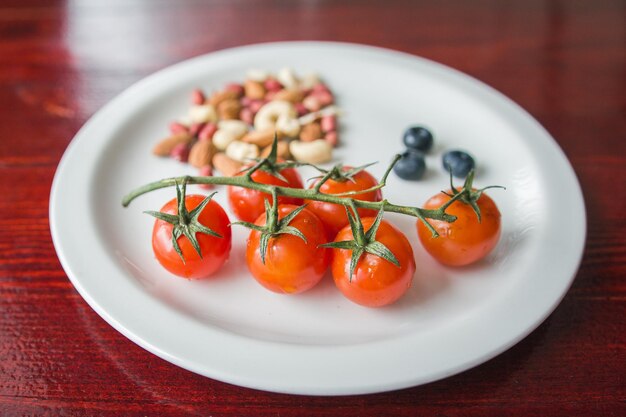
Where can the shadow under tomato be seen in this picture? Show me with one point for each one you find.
(426, 286)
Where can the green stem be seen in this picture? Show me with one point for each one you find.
(381, 184)
(307, 194)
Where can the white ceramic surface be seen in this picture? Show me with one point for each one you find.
(229, 327)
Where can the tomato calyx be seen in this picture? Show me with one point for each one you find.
(185, 223)
(271, 164)
(273, 225)
(467, 195)
(338, 173)
(363, 242)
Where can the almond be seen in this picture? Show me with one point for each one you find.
(310, 132)
(254, 89)
(282, 150)
(227, 166)
(165, 146)
(220, 96)
(229, 109)
(201, 154)
(293, 96)
(261, 138)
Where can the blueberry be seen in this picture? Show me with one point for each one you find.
(411, 166)
(459, 162)
(419, 138)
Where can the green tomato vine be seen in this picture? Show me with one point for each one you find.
(343, 199)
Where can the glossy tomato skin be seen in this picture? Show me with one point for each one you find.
(466, 240)
(291, 265)
(376, 282)
(248, 204)
(215, 251)
(333, 215)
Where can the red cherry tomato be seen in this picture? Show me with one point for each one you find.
(334, 215)
(215, 250)
(376, 282)
(249, 204)
(466, 240)
(291, 264)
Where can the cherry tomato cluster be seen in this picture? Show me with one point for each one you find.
(293, 243)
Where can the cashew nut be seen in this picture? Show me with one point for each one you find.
(288, 126)
(256, 74)
(202, 113)
(268, 114)
(222, 138)
(236, 127)
(309, 80)
(185, 120)
(242, 151)
(313, 116)
(315, 152)
(312, 103)
(288, 78)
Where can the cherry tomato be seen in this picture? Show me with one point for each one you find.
(334, 215)
(215, 250)
(466, 240)
(376, 282)
(291, 264)
(248, 204)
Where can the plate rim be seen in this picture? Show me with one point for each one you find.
(250, 382)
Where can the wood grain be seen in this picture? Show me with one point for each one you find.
(563, 61)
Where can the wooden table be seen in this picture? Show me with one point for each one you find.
(563, 61)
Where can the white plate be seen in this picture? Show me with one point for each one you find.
(229, 327)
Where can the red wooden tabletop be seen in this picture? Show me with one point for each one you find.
(563, 61)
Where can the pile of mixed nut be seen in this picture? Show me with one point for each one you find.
(237, 124)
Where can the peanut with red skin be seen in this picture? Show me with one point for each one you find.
(207, 132)
(332, 138)
(319, 88)
(236, 88)
(195, 128)
(301, 109)
(328, 123)
(176, 128)
(165, 146)
(197, 97)
(246, 115)
(324, 97)
(180, 152)
(206, 171)
(272, 84)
